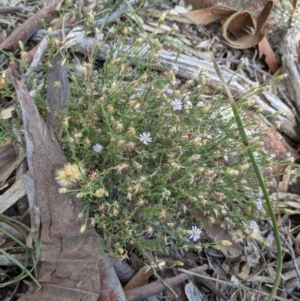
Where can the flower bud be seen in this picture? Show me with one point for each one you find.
(126, 30)
(120, 251)
(99, 193)
(65, 122)
(258, 145)
(90, 18)
(62, 190)
(244, 167)
(287, 211)
(176, 93)
(80, 195)
(175, 166)
(83, 227)
(205, 109)
(2, 84)
(231, 172)
(138, 42)
(277, 113)
(161, 19)
(281, 77)
(224, 243)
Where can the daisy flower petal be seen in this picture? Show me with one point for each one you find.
(146, 138)
(176, 104)
(194, 233)
(97, 148)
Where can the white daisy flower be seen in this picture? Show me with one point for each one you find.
(253, 225)
(259, 204)
(97, 148)
(177, 104)
(194, 233)
(245, 61)
(145, 138)
(175, 27)
(99, 37)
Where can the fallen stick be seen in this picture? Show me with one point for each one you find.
(10, 9)
(146, 291)
(32, 25)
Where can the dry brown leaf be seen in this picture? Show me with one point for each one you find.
(7, 113)
(293, 204)
(239, 25)
(204, 16)
(244, 274)
(284, 184)
(216, 232)
(297, 239)
(265, 49)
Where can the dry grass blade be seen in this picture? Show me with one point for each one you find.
(239, 285)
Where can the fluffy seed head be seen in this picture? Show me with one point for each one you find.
(70, 174)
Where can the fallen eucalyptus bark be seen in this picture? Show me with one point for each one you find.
(189, 68)
(69, 268)
(290, 65)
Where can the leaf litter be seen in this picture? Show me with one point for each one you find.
(248, 267)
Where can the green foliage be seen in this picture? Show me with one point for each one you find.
(190, 168)
(194, 168)
(32, 255)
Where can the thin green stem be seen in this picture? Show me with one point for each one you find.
(259, 178)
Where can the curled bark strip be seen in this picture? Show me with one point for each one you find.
(139, 278)
(248, 40)
(30, 27)
(10, 9)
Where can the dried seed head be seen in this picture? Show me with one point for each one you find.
(101, 208)
(131, 130)
(116, 62)
(219, 196)
(111, 109)
(162, 214)
(121, 142)
(130, 145)
(119, 125)
(238, 236)
(211, 220)
(70, 174)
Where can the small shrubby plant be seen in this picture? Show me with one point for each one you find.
(157, 159)
(153, 157)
